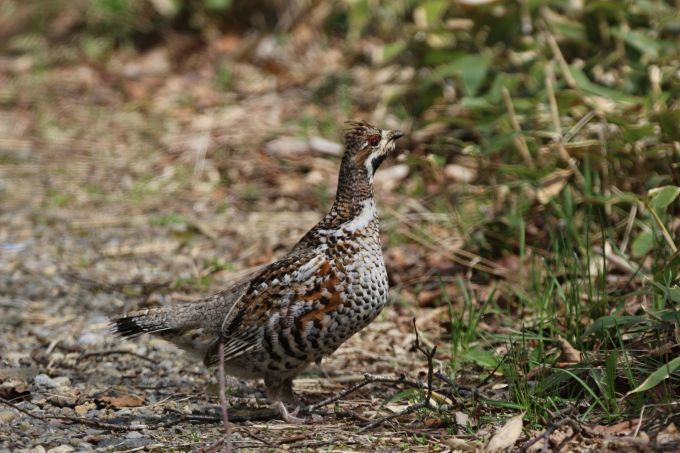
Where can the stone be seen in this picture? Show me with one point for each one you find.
(43, 380)
(7, 416)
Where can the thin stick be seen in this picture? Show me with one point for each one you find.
(425, 403)
(223, 401)
(368, 379)
(520, 141)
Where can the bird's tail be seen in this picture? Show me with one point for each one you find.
(155, 320)
(173, 322)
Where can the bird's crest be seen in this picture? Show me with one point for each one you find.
(356, 133)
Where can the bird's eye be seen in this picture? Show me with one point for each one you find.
(374, 139)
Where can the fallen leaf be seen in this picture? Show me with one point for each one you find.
(569, 353)
(457, 444)
(427, 298)
(552, 185)
(625, 427)
(121, 401)
(14, 391)
(506, 436)
(462, 418)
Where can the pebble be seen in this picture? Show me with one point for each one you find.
(43, 380)
(134, 435)
(61, 381)
(60, 449)
(89, 338)
(7, 416)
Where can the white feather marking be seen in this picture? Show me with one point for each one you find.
(364, 218)
(305, 271)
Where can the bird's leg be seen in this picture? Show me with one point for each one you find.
(287, 416)
(288, 395)
(279, 391)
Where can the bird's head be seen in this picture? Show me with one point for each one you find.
(367, 146)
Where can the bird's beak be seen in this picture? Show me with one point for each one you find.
(395, 135)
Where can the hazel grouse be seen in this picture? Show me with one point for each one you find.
(277, 320)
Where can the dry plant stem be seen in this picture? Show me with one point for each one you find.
(564, 66)
(629, 227)
(520, 141)
(555, 114)
(662, 227)
(425, 403)
(571, 133)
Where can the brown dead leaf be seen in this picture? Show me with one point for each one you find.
(552, 185)
(662, 350)
(457, 444)
(506, 436)
(569, 354)
(625, 427)
(121, 401)
(14, 391)
(427, 298)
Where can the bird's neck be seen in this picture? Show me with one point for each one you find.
(354, 193)
(353, 210)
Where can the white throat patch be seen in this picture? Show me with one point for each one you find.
(364, 218)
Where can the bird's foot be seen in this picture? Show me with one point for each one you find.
(289, 417)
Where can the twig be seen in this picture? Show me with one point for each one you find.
(117, 351)
(425, 403)
(474, 391)
(368, 379)
(552, 427)
(225, 440)
(223, 400)
(410, 409)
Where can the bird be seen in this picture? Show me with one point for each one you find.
(275, 321)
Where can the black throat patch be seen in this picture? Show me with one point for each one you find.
(375, 163)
